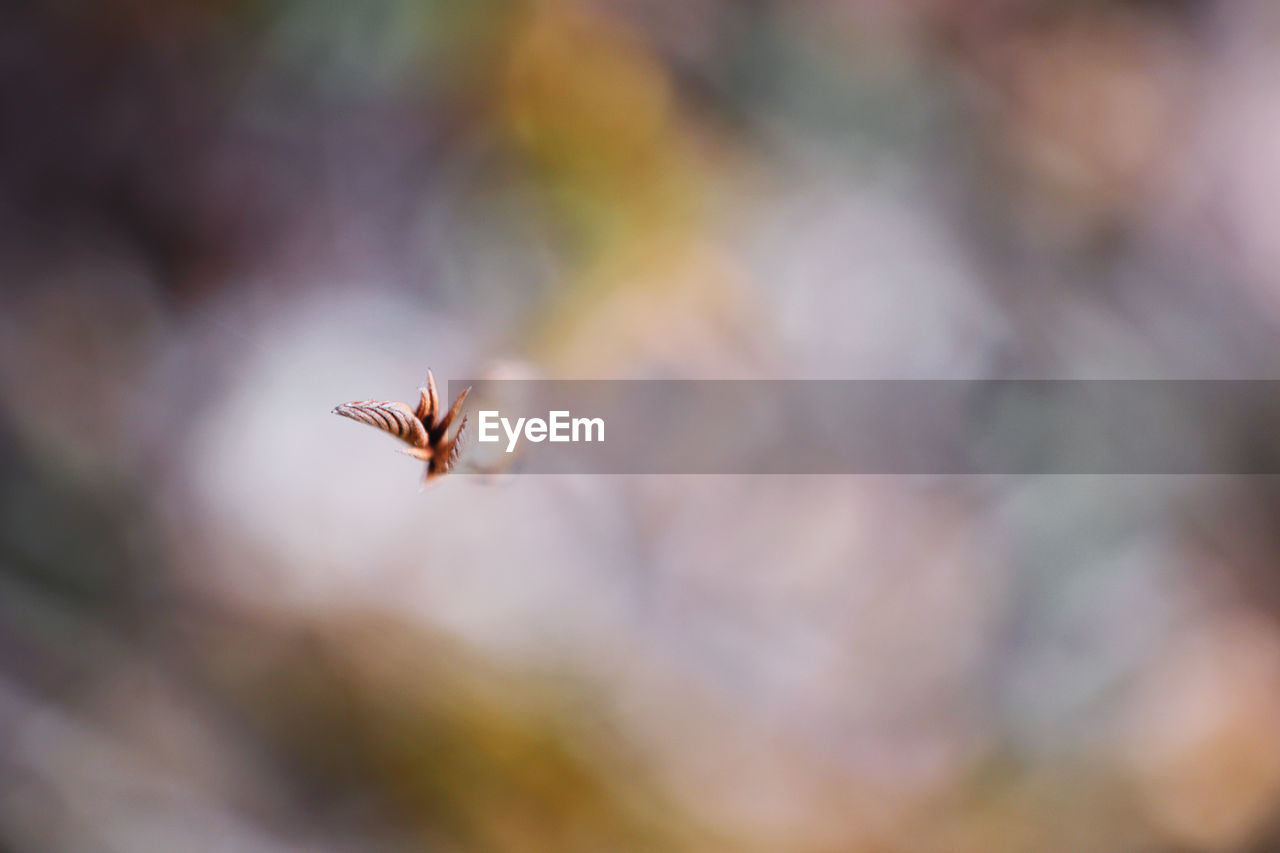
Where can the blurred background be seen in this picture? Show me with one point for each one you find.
(230, 622)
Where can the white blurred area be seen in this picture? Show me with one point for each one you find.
(789, 614)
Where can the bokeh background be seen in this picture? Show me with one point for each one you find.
(230, 622)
